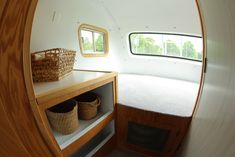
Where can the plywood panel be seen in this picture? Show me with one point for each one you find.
(10, 144)
(177, 127)
(18, 133)
(2, 4)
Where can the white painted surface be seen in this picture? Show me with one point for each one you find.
(56, 23)
(64, 33)
(75, 78)
(157, 94)
(179, 16)
(212, 132)
(106, 96)
(84, 126)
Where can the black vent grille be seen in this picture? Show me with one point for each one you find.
(147, 137)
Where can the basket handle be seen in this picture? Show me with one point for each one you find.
(97, 104)
(99, 101)
(51, 53)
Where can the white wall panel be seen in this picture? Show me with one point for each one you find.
(119, 18)
(212, 133)
(63, 31)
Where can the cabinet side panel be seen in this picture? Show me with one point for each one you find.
(19, 133)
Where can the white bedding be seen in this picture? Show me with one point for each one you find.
(157, 94)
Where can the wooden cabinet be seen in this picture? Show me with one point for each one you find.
(49, 94)
(150, 133)
(25, 130)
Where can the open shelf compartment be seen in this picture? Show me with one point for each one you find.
(106, 108)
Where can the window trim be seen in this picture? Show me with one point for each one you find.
(187, 35)
(93, 29)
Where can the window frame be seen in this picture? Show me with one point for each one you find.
(93, 29)
(187, 35)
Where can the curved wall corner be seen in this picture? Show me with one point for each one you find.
(212, 133)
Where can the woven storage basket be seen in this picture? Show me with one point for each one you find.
(87, 105)
(63, 117)
(52, 64)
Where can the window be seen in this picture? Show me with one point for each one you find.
(169, 45)
(93, 41)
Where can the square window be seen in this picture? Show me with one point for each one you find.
(93, 41)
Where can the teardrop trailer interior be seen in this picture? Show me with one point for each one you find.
(144, 61)
(166, 66)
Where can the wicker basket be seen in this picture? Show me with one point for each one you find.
(52, 64)
(63, 117)
(87, 105)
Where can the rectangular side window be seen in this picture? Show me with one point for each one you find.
(168, 45)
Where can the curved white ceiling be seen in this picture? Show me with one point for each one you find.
(56, 23)
(154, 15)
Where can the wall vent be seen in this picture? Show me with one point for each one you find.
(147, 137)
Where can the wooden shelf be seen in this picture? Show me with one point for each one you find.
(84, 127)
(78, 82)
(49, 94)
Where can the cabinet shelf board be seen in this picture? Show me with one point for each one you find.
(84, 126)
(78, 82)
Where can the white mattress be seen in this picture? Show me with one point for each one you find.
(157, 94)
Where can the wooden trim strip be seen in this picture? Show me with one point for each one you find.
(21, 128)
(52, 99)
(76, 85)
(203, 28)
(29, 86)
